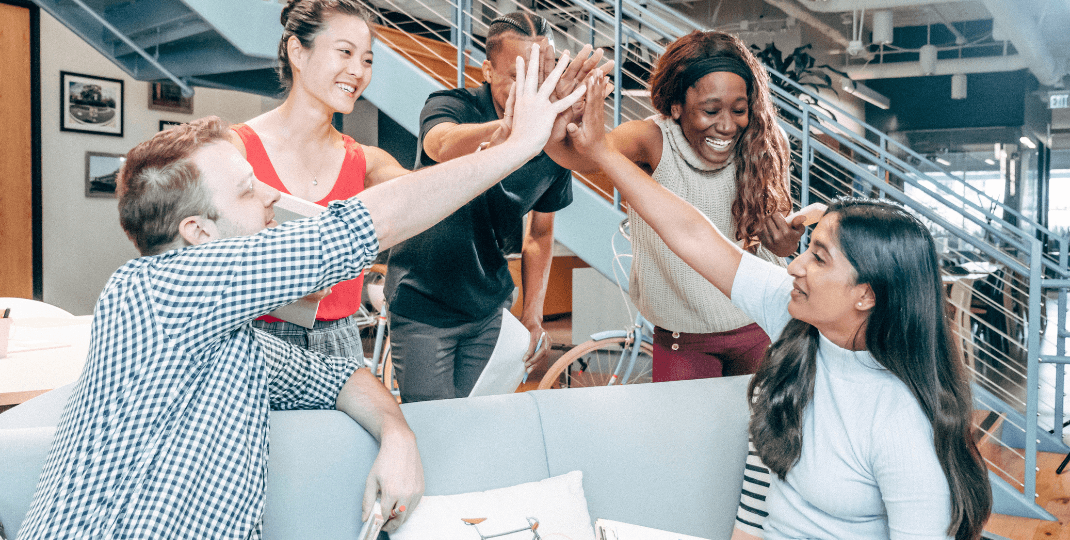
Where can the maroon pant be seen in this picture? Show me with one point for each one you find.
(679, 356)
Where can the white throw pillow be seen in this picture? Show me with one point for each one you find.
(558, 503)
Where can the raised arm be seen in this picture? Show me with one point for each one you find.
(410, 204)
(685, 229)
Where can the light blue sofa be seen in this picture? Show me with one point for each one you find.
(666, 455)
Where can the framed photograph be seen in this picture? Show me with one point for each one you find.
(168, 124)
(100, 172)
(90, 104)
(167, 96)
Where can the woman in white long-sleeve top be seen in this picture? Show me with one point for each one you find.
(861, 407)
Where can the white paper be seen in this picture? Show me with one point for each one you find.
(505, 369)
(605, 529)
(303, 311)
(374, 523)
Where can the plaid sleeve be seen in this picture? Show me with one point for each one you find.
(751, 513)
(302, 379)
(205, 291)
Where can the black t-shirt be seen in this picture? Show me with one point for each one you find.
(456, 271)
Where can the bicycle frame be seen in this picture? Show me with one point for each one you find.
(645, 330)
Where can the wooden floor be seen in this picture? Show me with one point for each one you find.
(1054, 491)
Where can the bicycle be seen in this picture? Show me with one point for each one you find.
(372, 313)
(609, 357)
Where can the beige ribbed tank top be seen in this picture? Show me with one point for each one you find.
(666, 290)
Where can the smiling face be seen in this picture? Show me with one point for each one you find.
(500, 71)
(825, 293)
(338, 66)
(713, 116)
(244, 204)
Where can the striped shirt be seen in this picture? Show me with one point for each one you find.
(166, 432)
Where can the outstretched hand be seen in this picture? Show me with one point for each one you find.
(532, 113)
(589, 137)
(579, 69)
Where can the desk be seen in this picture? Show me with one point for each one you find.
(43, 353)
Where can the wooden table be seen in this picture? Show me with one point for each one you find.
(43, 353)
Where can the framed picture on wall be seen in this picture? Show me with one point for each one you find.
(100, 172)
(90, 104)
(167, 96)
(168, 124)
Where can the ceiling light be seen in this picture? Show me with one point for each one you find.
(958, 86)
(882, 27)
(943, 162)
(864, 93)
(1028, 142)
(927, 58)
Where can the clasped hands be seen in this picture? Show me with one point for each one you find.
(576, 71)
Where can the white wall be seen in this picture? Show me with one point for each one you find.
(82, 241)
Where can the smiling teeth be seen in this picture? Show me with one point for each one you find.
(718, 144)
(346, 87)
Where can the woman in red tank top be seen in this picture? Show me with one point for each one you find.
(325, 62)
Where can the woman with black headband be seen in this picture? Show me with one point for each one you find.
(716, 144)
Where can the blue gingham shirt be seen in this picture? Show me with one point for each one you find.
(166, 433)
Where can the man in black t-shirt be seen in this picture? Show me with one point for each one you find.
(446, 287)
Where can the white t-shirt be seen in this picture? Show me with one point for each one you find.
(868, 467)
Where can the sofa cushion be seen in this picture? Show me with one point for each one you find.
(317, 466)
(557, 503)
(664, 455)
(23, 454)
(41, 411)
(480, 443)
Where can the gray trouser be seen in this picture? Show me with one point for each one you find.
(441, 363)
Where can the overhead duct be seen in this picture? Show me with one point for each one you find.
(1023, 33)
(837, 6)
(950, 66)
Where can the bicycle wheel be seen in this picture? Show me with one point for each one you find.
(593, 364)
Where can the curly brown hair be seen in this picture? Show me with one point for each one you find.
(762, 155)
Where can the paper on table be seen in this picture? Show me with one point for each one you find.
(605, 529)
(505, 368)
(303, 311)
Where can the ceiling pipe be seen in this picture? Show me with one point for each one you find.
(952, 66)
(1025, 36)
(836, 6)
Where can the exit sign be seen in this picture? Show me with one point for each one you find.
(1058, 101)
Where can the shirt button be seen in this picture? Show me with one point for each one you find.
(675, 346)
(675, 335)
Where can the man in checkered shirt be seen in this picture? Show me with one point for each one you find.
(166, 432)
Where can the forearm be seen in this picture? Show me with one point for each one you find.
(683, 228)
(536, 258)
(412, 203)
(564, 155)
(450, 141)
(370, 404)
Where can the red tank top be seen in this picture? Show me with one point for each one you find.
(344, 299)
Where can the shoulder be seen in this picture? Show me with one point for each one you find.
(640, 141)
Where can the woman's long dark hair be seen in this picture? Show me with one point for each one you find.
(906, 332)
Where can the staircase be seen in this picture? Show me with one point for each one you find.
(231, 44)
